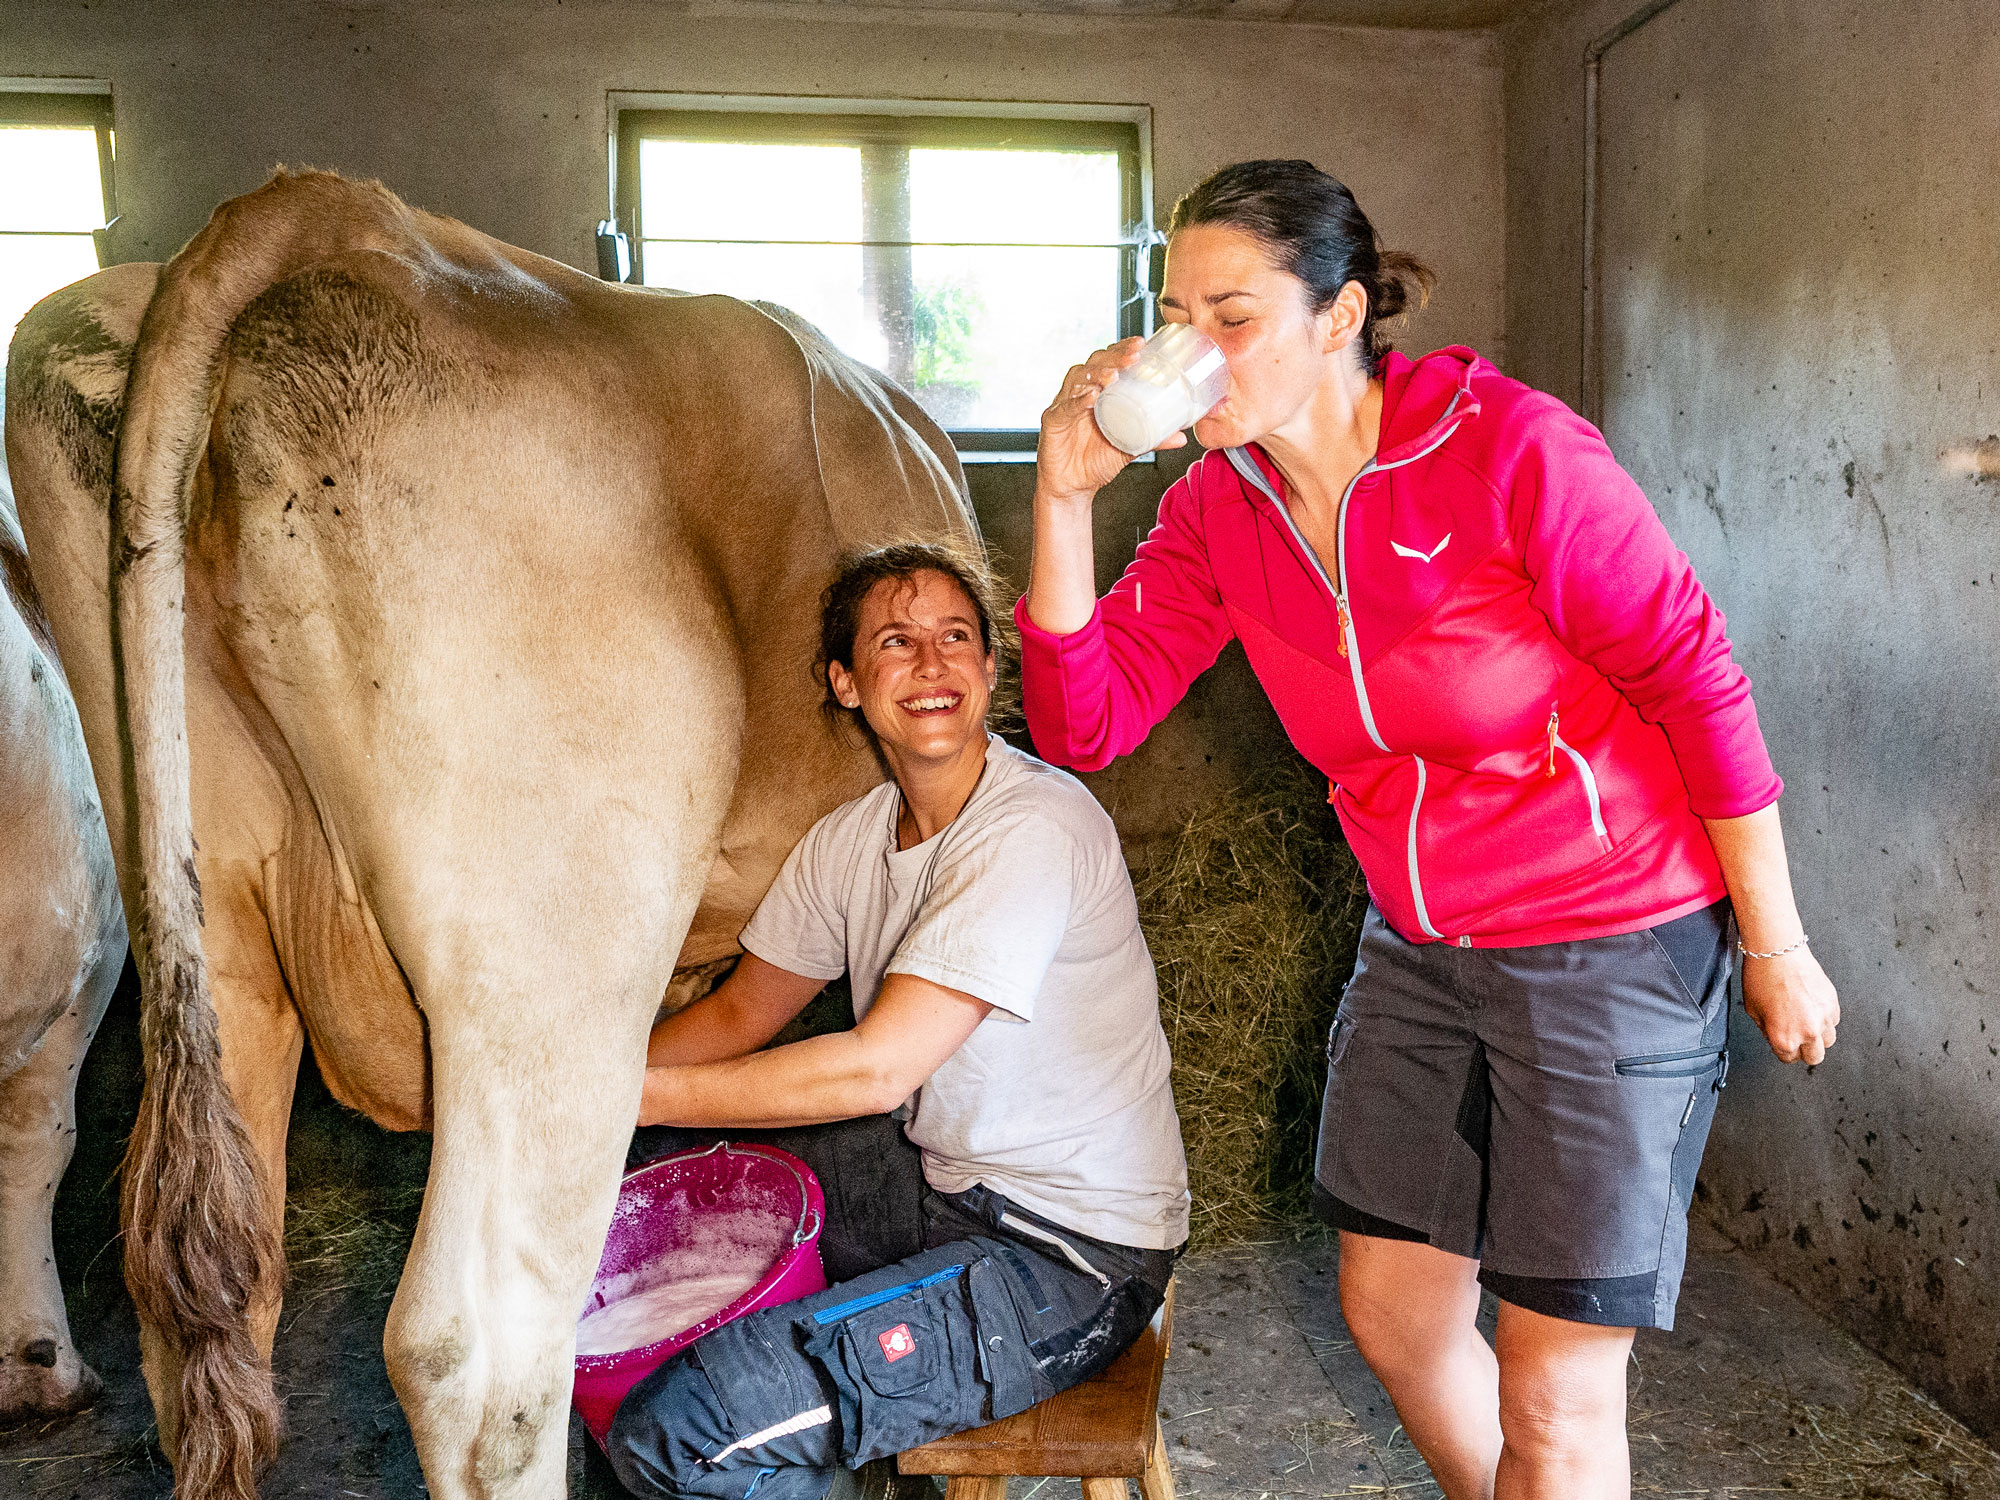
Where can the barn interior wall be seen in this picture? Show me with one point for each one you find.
(495, 113)
(1797, 263)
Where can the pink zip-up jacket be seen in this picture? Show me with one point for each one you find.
(1521, 696)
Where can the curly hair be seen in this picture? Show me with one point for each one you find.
(860, 572)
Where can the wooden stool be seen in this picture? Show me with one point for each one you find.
(1104, 1432)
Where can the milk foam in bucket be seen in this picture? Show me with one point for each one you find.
(1179, 378)
(697, 1240)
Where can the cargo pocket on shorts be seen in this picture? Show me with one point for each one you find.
(1692, 1079)
(915, 1367)
(1691, 1063)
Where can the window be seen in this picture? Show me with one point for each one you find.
(971, 258)
(55, 195)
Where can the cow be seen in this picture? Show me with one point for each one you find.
(62, 945)
(450, 615)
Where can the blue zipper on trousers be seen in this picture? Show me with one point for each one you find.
(848, 1309)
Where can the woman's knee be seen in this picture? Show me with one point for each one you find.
(1403, 1300)
(1562, 1384)
(657, 1439)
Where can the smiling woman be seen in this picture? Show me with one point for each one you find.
(1020, 1188)
(841, 625)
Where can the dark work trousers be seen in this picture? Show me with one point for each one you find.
(947, 1310)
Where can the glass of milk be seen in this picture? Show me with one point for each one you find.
(1179, 378)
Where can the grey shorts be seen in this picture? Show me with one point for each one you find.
(1541, 1110)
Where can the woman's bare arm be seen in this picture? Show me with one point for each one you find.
(736, 1017)
(1789, 997)
(1072, 463)
(909, 1031)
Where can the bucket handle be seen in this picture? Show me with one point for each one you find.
(810, 1222)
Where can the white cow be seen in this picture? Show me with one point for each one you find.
(62, 943)
(466, 610)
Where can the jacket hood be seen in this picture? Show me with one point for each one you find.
(1424, 401)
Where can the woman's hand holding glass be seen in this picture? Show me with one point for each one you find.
(1074, 460)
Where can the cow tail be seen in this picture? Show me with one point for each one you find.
(202, 1238)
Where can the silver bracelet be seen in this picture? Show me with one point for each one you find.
(1775, 952)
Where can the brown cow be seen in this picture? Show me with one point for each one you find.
(494, 586)
(62, 943)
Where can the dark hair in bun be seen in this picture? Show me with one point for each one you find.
(1318, 233)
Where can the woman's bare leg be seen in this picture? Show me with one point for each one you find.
(1562, 1409)
(1411, 1308)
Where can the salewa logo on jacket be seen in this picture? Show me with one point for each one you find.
(1430, 556)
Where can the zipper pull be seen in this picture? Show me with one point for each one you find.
(1553, 714)
(1340, 606)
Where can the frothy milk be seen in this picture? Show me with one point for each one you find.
(723, 1255)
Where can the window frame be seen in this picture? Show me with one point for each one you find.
(917, 124)
(45, 101)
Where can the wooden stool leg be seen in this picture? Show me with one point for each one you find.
(1157, 1483)
(1105, 1489)
(975, 1487)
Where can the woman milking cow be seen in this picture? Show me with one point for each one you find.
(1009, 1178)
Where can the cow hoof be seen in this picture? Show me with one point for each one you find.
(42, 1380)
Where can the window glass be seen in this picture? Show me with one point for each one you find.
(997, 323)
(973, 274)
(51, 198)
(720, 216)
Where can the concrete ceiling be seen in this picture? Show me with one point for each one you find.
(1429, 14)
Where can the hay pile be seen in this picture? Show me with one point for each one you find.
(1252, 911)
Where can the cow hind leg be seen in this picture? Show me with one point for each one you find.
(41, 1372)
(209, 1153)
(532, 1124)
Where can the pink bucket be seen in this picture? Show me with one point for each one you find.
(664, 1209)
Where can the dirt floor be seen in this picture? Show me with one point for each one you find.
(1265, 1396)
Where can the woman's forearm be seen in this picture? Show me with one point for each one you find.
(1072, 463)
(1751, 851)
(912, 1027)
(710, 1029)
(1062, 583)
(832, 1077)
(739, 1015)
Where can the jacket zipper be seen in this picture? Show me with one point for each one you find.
(1349, 643)
(1557, 742)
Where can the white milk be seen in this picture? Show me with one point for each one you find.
(671, 1307)
(725, 1255)
(1179, 378)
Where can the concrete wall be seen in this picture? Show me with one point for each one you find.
(496, 113)
(1799, 259)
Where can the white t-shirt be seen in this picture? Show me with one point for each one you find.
(1060, 1098)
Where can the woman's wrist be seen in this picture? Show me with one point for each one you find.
(1064, 501)
(655, 1096)
(1767, 949)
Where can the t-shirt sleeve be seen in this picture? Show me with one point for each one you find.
(799, 925)
(996, 913)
